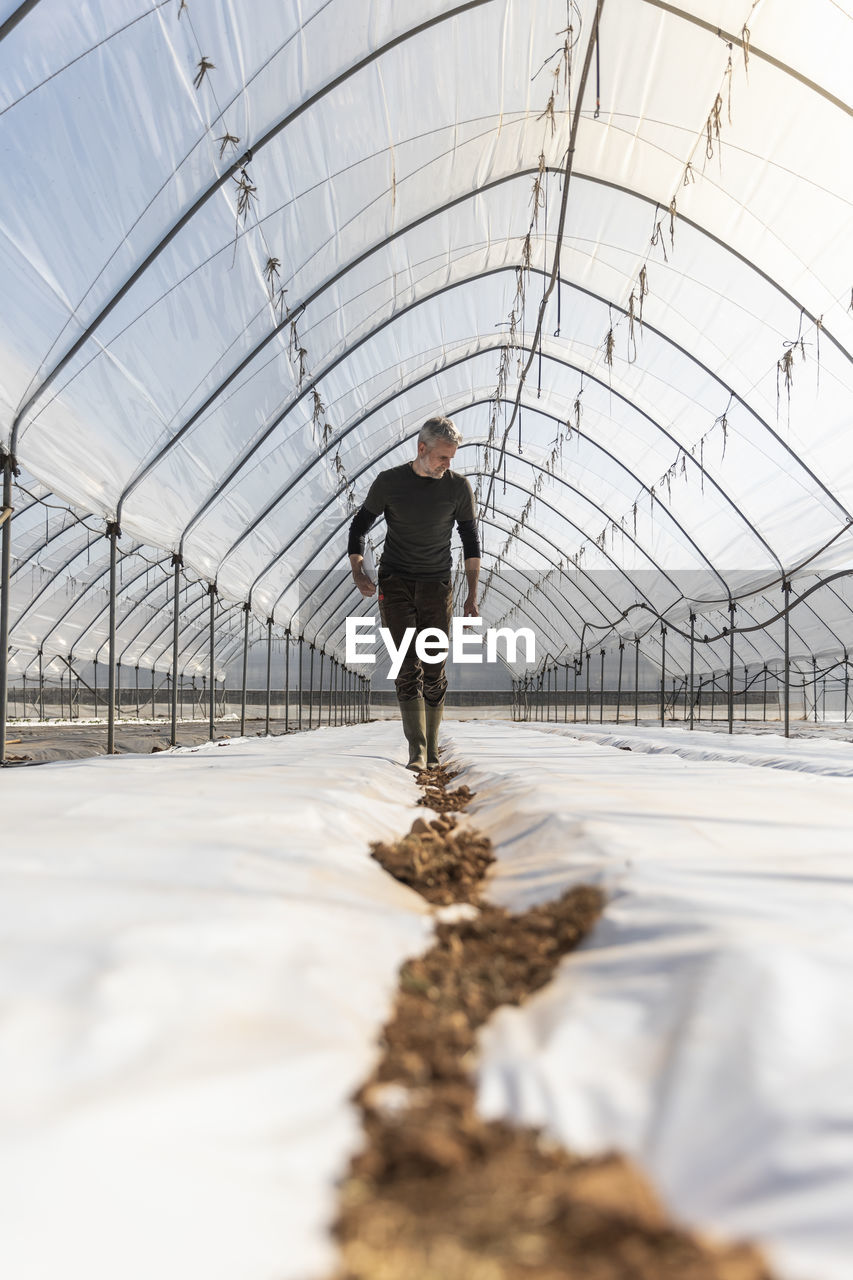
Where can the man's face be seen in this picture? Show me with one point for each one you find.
(437, 460)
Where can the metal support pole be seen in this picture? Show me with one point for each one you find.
(601, 692)
(246, 611)
(333, 675)
(269, 675)
(847, 684)
(287, 680)
(699, 697)
(745, 692)
(211, 592)
(5, 580)
(786, 587)
(153, 694)
(320, 703)
(41, 686)
(731, 706)
(113, 532)
(301, 638)
(176, 565)
(764, 703)
(619, 680)
(311, 687)
(692, 661)
(662, 674)
(587, 687)
(636, 680)
(814, 687)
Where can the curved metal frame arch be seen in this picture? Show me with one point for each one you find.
(206, 195)
(310, 384)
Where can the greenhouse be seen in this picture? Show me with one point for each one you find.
(248, 250)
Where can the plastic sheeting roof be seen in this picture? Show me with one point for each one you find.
(247, 248)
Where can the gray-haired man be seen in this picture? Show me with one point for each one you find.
(421, 501)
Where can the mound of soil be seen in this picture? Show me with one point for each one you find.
(436, 1193)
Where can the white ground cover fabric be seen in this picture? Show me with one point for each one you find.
(705, 1027)
(197, 956)
(826, 755)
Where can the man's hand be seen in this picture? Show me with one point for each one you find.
(366, 585)
(470, 610)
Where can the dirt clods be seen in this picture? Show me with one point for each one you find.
(444, 864)
(436, 1193)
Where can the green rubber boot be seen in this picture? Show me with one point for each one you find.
(433, 720)
(414, 727)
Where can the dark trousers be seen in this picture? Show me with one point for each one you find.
(410, 602)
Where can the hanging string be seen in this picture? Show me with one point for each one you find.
(520, 450)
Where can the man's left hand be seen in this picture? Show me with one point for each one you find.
(471, 610)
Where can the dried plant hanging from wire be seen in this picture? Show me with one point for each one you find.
(227, 140)
(202, 67)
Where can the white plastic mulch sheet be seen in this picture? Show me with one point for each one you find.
(197, 956)
(706, 1026)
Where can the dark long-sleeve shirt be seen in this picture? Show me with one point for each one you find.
(420, 513)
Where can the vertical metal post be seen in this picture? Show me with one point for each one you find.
(587, 687)
(41, 686)
(5, 581)
(692, 661)
(113, 534)
(269, 675)
(333, 676)
(136, 671)
(764, 701)
(636, 680)
(662, 674)
(699, 697)
(211, 593)
(814, 687)
(786, 587)
(745, 692)
(619, 680)
(311, 687)
(320, 702)
(176, 565)
(246, 611)
(287, 679)
(731, 706)
(153, 694)
(182, 694)
(846, 685)
(601, 692)
(301, 638)
(94, 683)
(713, 695)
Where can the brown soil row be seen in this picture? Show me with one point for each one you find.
(437, 1193)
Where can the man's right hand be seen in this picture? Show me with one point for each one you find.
(366, 585)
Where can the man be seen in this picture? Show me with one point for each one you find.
(420, 501)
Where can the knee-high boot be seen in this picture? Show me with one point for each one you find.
(414, 727)
(433, 720)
